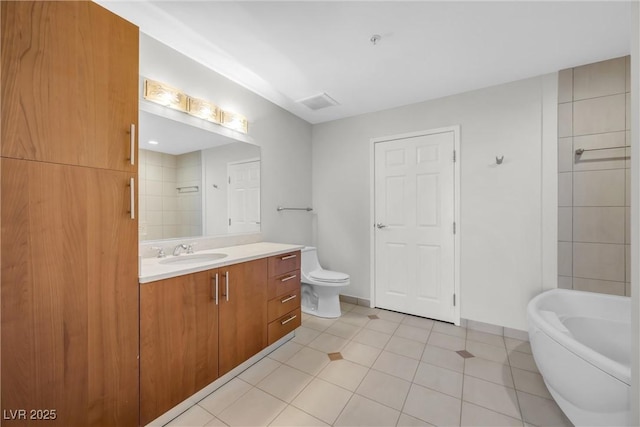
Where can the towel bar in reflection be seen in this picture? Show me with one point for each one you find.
(579, 151)
(280, 208)
(190, 189)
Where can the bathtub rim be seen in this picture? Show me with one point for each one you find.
(615, 369)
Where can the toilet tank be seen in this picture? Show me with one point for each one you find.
(310, 259)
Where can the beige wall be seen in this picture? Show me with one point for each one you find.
(593, 188)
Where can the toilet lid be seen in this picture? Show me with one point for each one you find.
(329, 276)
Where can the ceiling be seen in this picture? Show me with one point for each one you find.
(289, 51)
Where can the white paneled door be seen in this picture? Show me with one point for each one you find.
(414, 212)
(244, 197)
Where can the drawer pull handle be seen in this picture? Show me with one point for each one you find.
(288, 257)
(284, 322)
(289, 298)
(293, 276)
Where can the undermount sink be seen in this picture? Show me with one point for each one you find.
(192, 259)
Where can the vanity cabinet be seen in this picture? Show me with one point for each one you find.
(284, 313)
(178, 340)
(243, 312)
(69, 236)
(197, 327)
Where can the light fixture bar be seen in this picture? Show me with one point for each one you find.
(203, 109)
(165, 95)
(235, 121)
(171, 97)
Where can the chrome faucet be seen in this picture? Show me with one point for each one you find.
(179, 248)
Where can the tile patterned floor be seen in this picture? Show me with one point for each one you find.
(394, 370)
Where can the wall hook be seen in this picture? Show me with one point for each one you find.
(499, 160)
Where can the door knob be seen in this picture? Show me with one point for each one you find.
(380, 225)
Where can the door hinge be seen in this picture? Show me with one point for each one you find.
(454, 300)
(229, 221)
(454, 227)
(454, 156)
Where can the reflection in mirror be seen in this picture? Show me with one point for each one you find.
(193, 182)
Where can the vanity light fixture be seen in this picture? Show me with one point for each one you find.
(152, 142)
(204, 110)
(171, 97)
(235, 121)
(165, 95)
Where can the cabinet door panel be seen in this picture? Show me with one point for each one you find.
(178, 341)
(243, 318)
(69, 294)
(69, 83)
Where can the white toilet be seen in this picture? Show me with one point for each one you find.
(320, 288)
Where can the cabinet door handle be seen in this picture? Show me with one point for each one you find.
(226, 280)
(293, 276)
(214, 281)
(132, 192)
(289, 298)
(287, 257)
(132, 143)
(284, 322)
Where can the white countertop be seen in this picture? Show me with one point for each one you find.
(151, 269)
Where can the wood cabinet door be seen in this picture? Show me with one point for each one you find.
(69, 73)
(178, 340)
(243, 312)
(69, 295)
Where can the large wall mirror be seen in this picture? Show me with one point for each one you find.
(194, 182)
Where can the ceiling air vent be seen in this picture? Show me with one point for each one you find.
(318, 102)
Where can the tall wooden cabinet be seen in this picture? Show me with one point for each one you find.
(69, 84)
(68, 293)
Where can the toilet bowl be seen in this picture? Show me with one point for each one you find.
(320, 288)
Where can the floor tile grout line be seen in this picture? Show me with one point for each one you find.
(464, 370)
(515, 390)
(234, 400)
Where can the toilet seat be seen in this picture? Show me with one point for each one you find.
(328, 276)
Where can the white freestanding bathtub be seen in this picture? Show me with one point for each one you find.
(581, 342)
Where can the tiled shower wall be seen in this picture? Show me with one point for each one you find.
(164, 212)
(593, 188)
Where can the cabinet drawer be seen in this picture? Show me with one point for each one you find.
(284, 284)
(281, 264)
(284, 325)
(284, 304)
